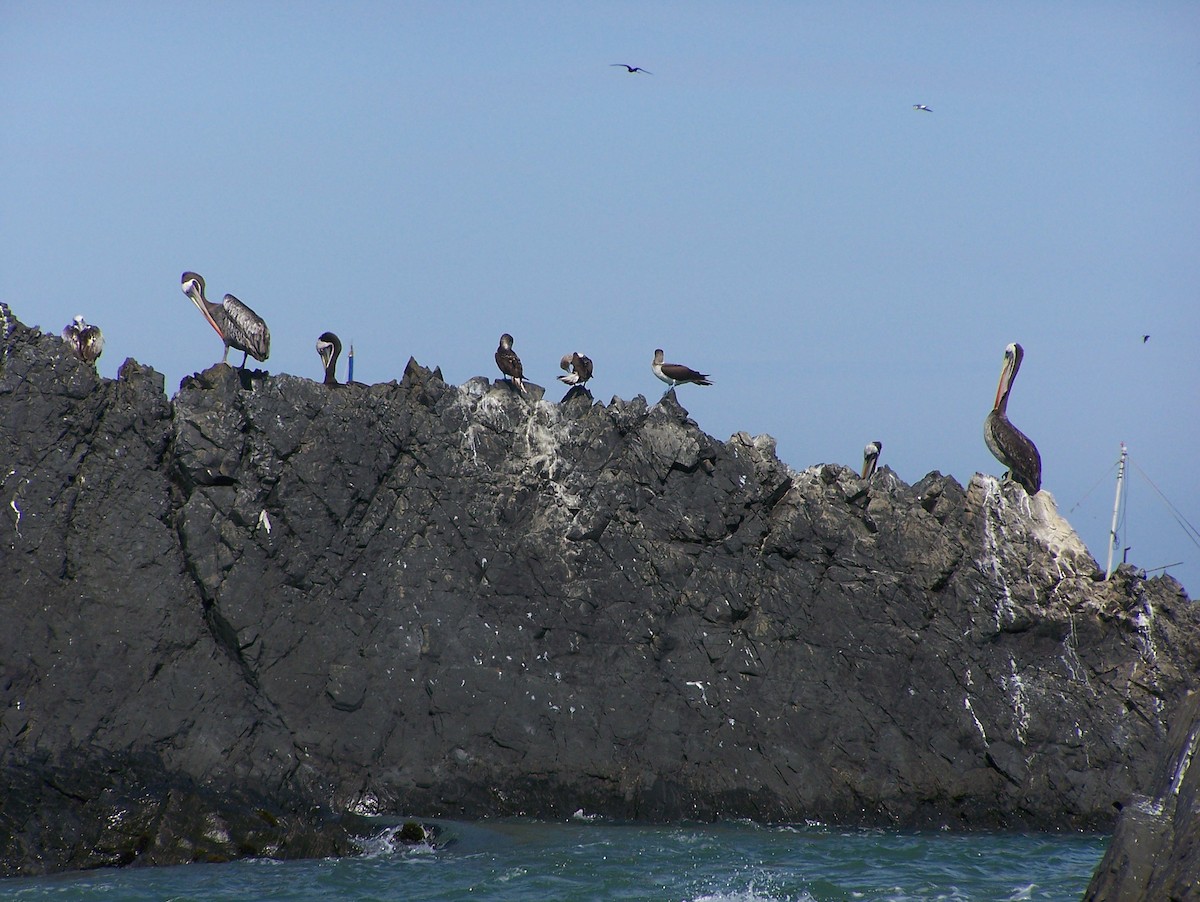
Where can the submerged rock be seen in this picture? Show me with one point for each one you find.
(425, 599)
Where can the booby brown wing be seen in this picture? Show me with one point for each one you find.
(677, 372)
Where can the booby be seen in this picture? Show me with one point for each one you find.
(922, 107)
(632, 69)
(509, 362)
(86, 342)
(676, 374)
(1006, 442)
(580, 368)
(871, 458)
(329, 346)
(239, 327)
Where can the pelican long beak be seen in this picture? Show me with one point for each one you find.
(1002, 387)
(192, 290)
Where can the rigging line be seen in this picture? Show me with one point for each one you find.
(1188, 528)
(1103, 476)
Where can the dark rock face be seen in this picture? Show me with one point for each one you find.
(1155, 852)
(427, 599)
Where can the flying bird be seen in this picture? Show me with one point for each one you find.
(239, 327)
(86, 342)
(580, 368)
(329, 346)
(632, 68)
(871, 458)
(676, 374)
(1007, 443)
(922, 108)
(509, 362)
(1145, 338)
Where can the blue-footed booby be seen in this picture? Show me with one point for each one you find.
(579, 367)
(1007, 443)
(509, 362)
(676, 374)
(240, 327)
(86, 342)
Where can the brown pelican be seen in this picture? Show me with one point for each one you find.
(580, 369)
(86, 342)
(674, 373)
(1006, 442)
(509, 362)
(922, 108)
(329, 346)
(632, 69)
(871, 458)
(239, 326)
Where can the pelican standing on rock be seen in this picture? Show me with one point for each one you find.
(675, 373)
(871, 458)
(239, 327)
(86, 342)
(1007, 443)
(579, 366)
(329, 346)
(509, 362)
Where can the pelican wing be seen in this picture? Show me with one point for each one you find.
(509, 363)
(1013, 448)
(244, 329)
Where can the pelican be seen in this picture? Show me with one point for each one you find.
(239, 327)
(676, 374)
(329, 346)
(871, 458)
(1006, 442)
(580, 369)
(922, 108)
(86, 342)
(509, 362)
(632, 69)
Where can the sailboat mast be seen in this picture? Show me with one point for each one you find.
(1112, 532)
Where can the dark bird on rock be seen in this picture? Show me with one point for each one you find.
(632, 68)
(871, 458)
(86, 342)
(329, 346)
(579, 366)
(240, 327)
(1007, 443)
(676, 374)
(922, 108)
(509, 362)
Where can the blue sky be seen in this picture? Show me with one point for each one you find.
(767, 207)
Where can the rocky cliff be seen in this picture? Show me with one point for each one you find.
(235, 617)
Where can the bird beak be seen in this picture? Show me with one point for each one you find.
(1004, 371)
(192, 290)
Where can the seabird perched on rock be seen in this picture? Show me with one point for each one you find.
(632, 69)
(239, 327)
(329, 346)
(86, 342)
(580, 368)
(871, 458)
(676, 374)
(1007, 443)
(922, 107)
(509, 362)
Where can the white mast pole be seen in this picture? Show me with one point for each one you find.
(1112, 533)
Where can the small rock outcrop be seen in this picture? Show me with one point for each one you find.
(273, 597)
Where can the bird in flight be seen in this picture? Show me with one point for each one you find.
(1145, 338)
(632, 68)
(922, 107)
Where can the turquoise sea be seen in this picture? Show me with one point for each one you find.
(527, 860)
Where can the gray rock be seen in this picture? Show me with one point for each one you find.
(424, 599)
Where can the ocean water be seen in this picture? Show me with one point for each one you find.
(527, 860)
